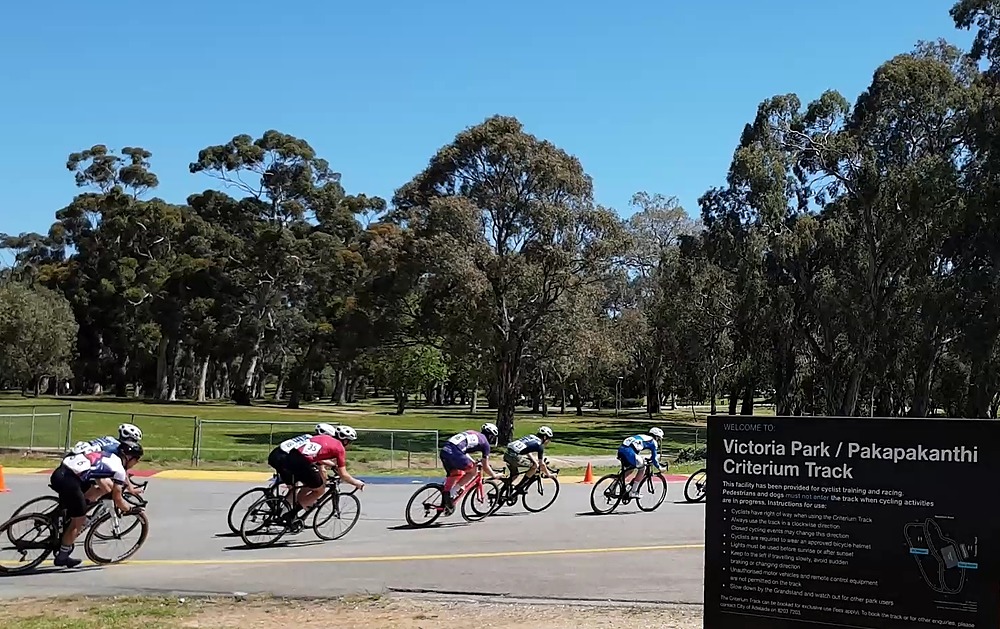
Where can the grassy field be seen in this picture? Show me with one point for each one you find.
(169, 429)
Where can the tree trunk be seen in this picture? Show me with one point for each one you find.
(508, 368)
(340, 390)
(734, 400)
(577, 398)
(352, 389)
(492, 396)
(172, 354)
(474, 398)
(243, 391)
(402, 397)
(162, 391)
(295, 399)
(562, 396)
(652, 393)
(121, 377)
(747, 408)
(202, 379)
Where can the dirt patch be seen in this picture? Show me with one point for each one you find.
(350, 613)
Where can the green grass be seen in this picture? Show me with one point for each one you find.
(168, 429)
(124, 613)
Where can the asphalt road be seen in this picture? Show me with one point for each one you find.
(563, 552)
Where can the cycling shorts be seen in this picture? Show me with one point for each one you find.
(629, 457)
(278, 459)
(303, 471)
(454, 459)
(515, 461)
(70, 488)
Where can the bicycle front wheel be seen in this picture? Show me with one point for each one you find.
(607, 494)
(25, 541)
(115, 529)
(694, 488)
(476, 507)
(336, 516)
(425, 505)
(241, 505)
(264, 522)
(656, 484)
(542, 492)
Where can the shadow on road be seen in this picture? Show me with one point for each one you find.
(436, 525)
(279, 544)
(40, 571)
(618, 513)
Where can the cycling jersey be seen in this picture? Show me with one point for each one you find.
(635, 444)
(470, 441)
(323, 448)
(525, 445)
(289, 444)
(97, 465)
(107, 445)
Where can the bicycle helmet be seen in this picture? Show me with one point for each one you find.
(491, 431)
(656, 433)
(130, 449)
(346, 433)
(545, 432)
(129, 432)
(326, 429)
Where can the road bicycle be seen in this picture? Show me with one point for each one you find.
(616, 492)
(43, 531)
(503, 493)
(267, 516)
(694, 488)
(249, 498)
(473, 497)
(44, 504)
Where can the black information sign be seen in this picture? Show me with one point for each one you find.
(869, 523)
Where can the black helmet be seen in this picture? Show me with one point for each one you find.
(130, 449)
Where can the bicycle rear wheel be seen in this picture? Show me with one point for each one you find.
(264, 522)
(42, 504)
(428, 501)
(115, 530)
(657, 486)
(25, 534)
(607, 494)
(241, 505)
(339, 512)
(542, 490)
(694, 488)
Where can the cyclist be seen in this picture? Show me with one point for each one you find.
(459, 467)
(81, 479)
(528, 451)
(109, 445)
(278, 458)
(628, 454)
(309, 461)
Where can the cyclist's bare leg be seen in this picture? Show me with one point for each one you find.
(528, 475)
(464, 480)
(638, 479)
(308, 497)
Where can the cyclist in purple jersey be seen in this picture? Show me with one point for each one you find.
(459, 466)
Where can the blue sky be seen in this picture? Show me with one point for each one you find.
(649, 95)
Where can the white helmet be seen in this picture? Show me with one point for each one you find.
(326, 429)
(545, 432)
(346, 433)
(491, 430)
(656, 432)
(130, 432)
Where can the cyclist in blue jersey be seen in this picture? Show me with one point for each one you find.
(108, 445)
(459, 466)
(528, 452)
(82, 479)
(628, 454)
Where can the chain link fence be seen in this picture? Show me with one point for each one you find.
(171, 440)
(34, 427)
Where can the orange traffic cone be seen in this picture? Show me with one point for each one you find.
(3, 486)
(588, 477)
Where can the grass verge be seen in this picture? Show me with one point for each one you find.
(340, 613)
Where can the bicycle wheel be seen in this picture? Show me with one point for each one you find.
(115, 531)
(42, 504)
(97, 511)
(476, 507)
(342, 511)
(24, 534)
(654, 483)
(266, 519)
(609, 497)
(241, 505)
(544, 490)
(430, 505)
(694, 488)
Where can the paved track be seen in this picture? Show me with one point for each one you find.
(563, 552)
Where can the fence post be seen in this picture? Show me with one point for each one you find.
(270, 436)
(69, 429)
(195, 442)
(31, 437)
(392, 447)
(437, 447)
(409, 452)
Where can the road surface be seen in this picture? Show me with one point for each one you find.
(562, 553)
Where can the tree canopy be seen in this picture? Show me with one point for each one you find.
(849, 264)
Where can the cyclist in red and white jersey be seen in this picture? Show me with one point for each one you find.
(308, 464)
